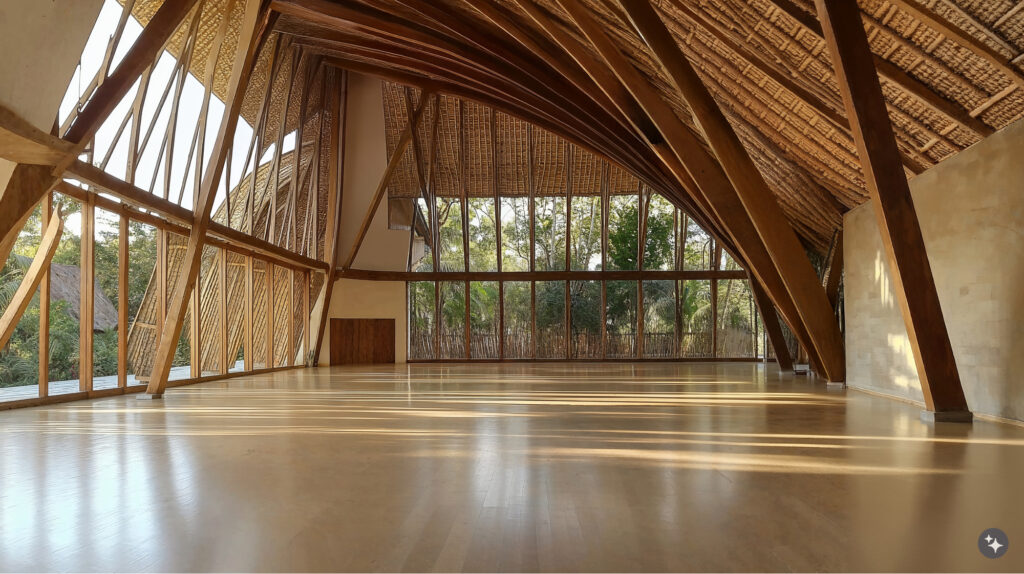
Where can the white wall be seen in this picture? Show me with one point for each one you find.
(971, 209)
(40, 43)
(382, 249)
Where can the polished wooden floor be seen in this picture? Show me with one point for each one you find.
(514, 467)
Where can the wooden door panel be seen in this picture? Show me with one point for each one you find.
(362, 341)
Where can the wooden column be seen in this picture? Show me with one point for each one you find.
(249, 316)
(894, 208)
(222, 311)
(269, 278)
(44, 308)
(87, 288)
(122, 302)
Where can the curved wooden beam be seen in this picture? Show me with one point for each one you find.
(40, 264)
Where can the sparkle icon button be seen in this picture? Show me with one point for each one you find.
(993, 543)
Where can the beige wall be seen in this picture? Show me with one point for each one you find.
(40, 43)
(382, 249)
(971, 210)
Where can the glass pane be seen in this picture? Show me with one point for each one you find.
(659, 319)
(549, 233)
(19, 361)
(209, 303)
(518, 332)
(282, 315)
(621, 319)
(728, 263)
(515, 234)
(550, 319)
(483, 239)
(259, 315)
(697, 246)
(695, 311)
(585, 315)
(181, 366)
(623, 223)
(586, 233)
(142, 301)
(449, 218)
(65, 295)
(236, 311)
(483, 319)
(453, 320)
(422, 254)
(105, 296)
(660, 247)
(421, 320)
(736, 319)
(297, 312)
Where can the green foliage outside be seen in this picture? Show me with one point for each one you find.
(19, 361)
(549, 229)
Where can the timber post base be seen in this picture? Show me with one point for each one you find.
(148, 397)
(835, 385)
(946, 416)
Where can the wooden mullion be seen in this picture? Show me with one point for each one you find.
(44, 306)
(437, 319)
(195, 331)
(123, 286)
(530, 190)
(222, 304)
(533, 320)
(270, 279)
(463, 186)
(289, 351)
(305, 313)
(87, 302)
(247, 326)
(435, 232)
(604, 320)
(468, 333)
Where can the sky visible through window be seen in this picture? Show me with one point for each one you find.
(151, 158)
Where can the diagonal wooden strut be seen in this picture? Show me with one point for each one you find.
(245, 54)
(894, 206)
(40, 265)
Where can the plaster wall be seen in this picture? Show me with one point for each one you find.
(971, 209)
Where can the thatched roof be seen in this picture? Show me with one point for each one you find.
(65, 285)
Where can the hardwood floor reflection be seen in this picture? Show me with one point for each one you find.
(512, 467)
